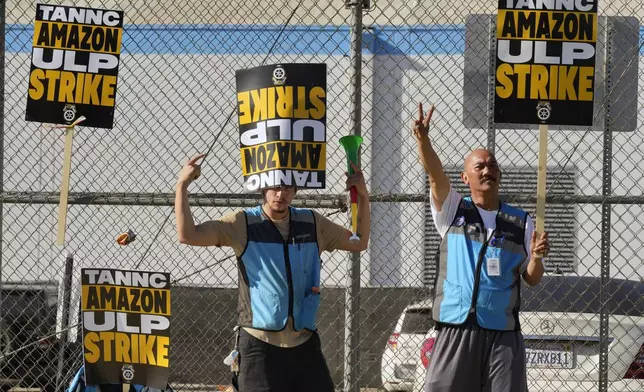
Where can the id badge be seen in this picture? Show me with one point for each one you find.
(493, 267)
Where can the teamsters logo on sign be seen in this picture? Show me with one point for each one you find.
(545, 64)
(282, 125)
(74, 65)
(126, 326)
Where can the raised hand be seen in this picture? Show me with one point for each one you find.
(192, 170)
(420, 127)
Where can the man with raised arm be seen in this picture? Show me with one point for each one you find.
(278, 250)
(486, 248)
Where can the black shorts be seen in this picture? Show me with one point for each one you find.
(264, 367)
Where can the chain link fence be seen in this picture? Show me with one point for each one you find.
(176, 97)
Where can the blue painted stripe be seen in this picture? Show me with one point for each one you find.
(257, 39)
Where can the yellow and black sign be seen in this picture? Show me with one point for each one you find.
(545, 62)
(282, 125)
(74, 65)
(126, 326)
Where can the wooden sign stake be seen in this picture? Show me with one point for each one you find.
(64, 186)
(541, 179)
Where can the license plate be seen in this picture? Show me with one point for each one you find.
(554, 358)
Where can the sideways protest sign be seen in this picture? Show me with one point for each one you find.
(282, 125)
(126, 326)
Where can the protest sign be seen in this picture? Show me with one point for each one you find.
(126, 326)
(74, 65)
(282, 125)
(545, 62)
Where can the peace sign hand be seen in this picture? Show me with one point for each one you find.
(420, 127)
(191, 171)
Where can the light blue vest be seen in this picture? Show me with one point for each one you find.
(463, 286)
(277, 276)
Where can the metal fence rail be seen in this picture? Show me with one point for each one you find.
(176, 97)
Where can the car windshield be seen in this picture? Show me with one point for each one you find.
(417, 321)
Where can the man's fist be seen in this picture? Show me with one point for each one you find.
(357, 179)
(540, 247)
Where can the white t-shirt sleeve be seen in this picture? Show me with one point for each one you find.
(529, 229)
(443, 219)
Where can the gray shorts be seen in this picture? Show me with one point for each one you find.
(471, 359)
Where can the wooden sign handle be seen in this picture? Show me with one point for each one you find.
(541, 179)
(64, 186)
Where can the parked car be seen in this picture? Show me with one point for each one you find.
(560, 325)
(399, 360)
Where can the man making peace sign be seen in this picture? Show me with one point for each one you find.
(486, 247)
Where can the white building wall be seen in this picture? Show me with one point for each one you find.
(171, 105)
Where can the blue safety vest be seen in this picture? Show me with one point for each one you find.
(463, 286)
(277, 276)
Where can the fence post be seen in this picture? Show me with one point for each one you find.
(607, 173)
(352, 300)
(2, 54)
(491, 127)
(605, 261)
(66, 298)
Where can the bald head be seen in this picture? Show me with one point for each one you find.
(480, 154)
(482, 172)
